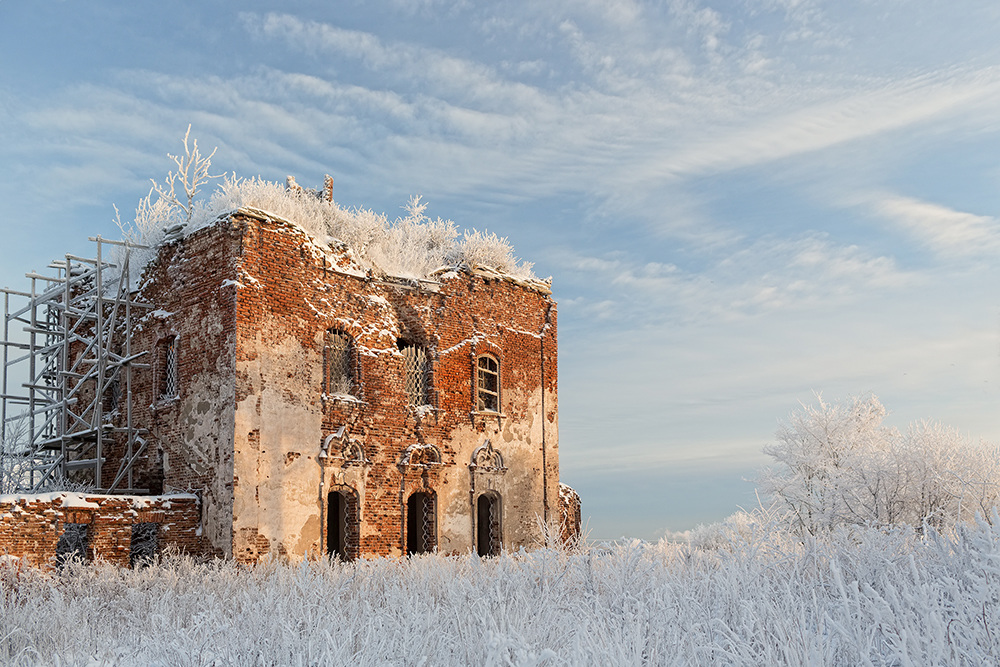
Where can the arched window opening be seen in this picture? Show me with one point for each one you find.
(342, 525)
(421, 528)
(488, 384)
(339, 364)
(416, 375)
(489, 537)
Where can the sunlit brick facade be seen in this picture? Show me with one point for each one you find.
(322, 408)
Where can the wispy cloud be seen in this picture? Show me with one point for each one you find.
(848, 115)
(942, 230)
(759, 280)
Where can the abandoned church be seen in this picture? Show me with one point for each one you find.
(259, 391)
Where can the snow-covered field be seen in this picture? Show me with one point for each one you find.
(747, 594)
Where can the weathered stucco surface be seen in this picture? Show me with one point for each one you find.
(284, 419)
(191, 433)
(256, 433)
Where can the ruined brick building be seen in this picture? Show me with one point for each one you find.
(314, 405)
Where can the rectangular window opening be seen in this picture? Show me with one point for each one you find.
(168, 368)
(145, 544)
(416, 375)
(72, 544)
(339, 375)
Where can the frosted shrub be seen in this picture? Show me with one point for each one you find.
(489, 250)
(412, 246)
(841, 466)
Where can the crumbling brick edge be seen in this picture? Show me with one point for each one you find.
(31, 525)
(570, 514)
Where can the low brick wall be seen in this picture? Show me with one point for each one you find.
(96, 526)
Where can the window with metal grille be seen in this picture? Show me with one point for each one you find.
(488, 384)
(416, 375)
(421, 523)
(168, 368)
(72, 543)
(339, 364)
(145, 542)
(489, 538)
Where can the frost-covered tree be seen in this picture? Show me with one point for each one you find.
(840, 465)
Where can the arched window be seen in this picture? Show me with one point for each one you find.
(489, 535)
(339, 355)
(342, 534)
(416, 375)
(487, 384)
(421, 523)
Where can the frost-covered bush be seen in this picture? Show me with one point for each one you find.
(840, 465)
(411, 246)
(15, 464)
(859, 597)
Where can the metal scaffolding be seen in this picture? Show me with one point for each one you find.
(68, 371)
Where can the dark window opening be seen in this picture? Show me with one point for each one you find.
(342, 525)
(416, 375)
(420, 524)
(72, 544)
(489, 539)
(112, 396)
(339, 364)
(145, 544)
(168, 386)
(488, 384)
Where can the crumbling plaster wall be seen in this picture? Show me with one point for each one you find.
(193, 286)
(290, 292)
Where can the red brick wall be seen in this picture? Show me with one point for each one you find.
(31, 525)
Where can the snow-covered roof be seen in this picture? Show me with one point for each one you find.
(413, 247)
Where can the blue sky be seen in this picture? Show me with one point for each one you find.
(741, 203)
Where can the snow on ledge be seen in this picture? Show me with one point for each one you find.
(82, 500)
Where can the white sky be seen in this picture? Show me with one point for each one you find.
(741, 203)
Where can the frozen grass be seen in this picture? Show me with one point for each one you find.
(758, 597)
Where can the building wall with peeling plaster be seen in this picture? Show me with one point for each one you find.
(291, 292)
(252, 432)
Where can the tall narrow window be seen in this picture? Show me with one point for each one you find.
(421, 528)
(488, 384)
(168, 368)
(339, 366)
(342, 524)
(489, 538)
(416, 375)
(112, 396)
